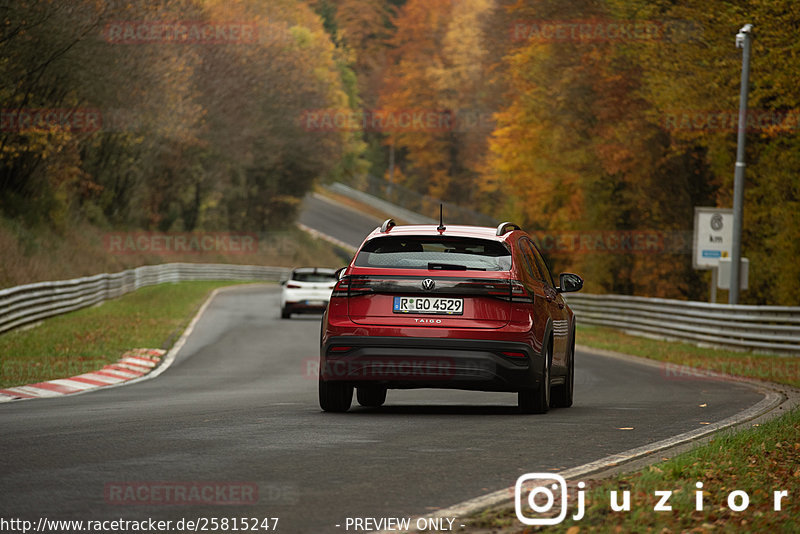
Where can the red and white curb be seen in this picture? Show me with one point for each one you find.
(134, 364)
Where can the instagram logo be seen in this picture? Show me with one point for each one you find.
(541, 499)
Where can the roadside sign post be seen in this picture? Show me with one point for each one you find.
(713, 238)
(712, 291)
(743, 39)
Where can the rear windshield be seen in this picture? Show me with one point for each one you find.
(436, 253)
(313, 277)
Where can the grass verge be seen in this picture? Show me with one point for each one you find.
(85, 340)
(783, 370)
(759, 461)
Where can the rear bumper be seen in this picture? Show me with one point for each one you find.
(305, 298)
(406, 362)
(305, 307)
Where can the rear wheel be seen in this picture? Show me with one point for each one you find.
(286, 313)
(334, 396)
(371, 396)
(537, 400)
(562, 394)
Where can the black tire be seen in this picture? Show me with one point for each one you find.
(371, 396)
(286, 313)
(537, 400)
(334, 396)
(561, 395)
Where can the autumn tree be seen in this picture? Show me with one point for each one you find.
(575, 150)
(438, 63)
(193, 132)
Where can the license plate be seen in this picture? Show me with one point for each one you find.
(315, 303)
(437, 305)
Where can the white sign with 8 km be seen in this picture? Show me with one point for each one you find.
(713, 236)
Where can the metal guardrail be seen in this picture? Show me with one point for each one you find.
(29, 303)
(774, 329)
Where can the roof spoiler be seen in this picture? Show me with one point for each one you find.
(387, 225)
(506, 227)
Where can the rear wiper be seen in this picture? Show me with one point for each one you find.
(451, 267)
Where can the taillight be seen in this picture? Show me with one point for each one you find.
(341, 287)
(293, 286)
(519, 293)
(497, 289)
(361, 285)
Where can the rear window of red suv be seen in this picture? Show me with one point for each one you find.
(435, 253)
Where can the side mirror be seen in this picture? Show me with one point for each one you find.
(569, 282)
(339, 272)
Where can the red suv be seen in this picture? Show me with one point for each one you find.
(461, 307)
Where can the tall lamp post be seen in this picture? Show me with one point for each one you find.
(743, 39)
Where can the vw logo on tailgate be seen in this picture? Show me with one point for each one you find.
(428, 284)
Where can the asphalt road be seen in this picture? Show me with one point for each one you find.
(341, 222)
(240, 405)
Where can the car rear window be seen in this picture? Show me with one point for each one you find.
(438, 253)
(313, 277)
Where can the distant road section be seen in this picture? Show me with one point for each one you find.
(331, 218)
(395, 211)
